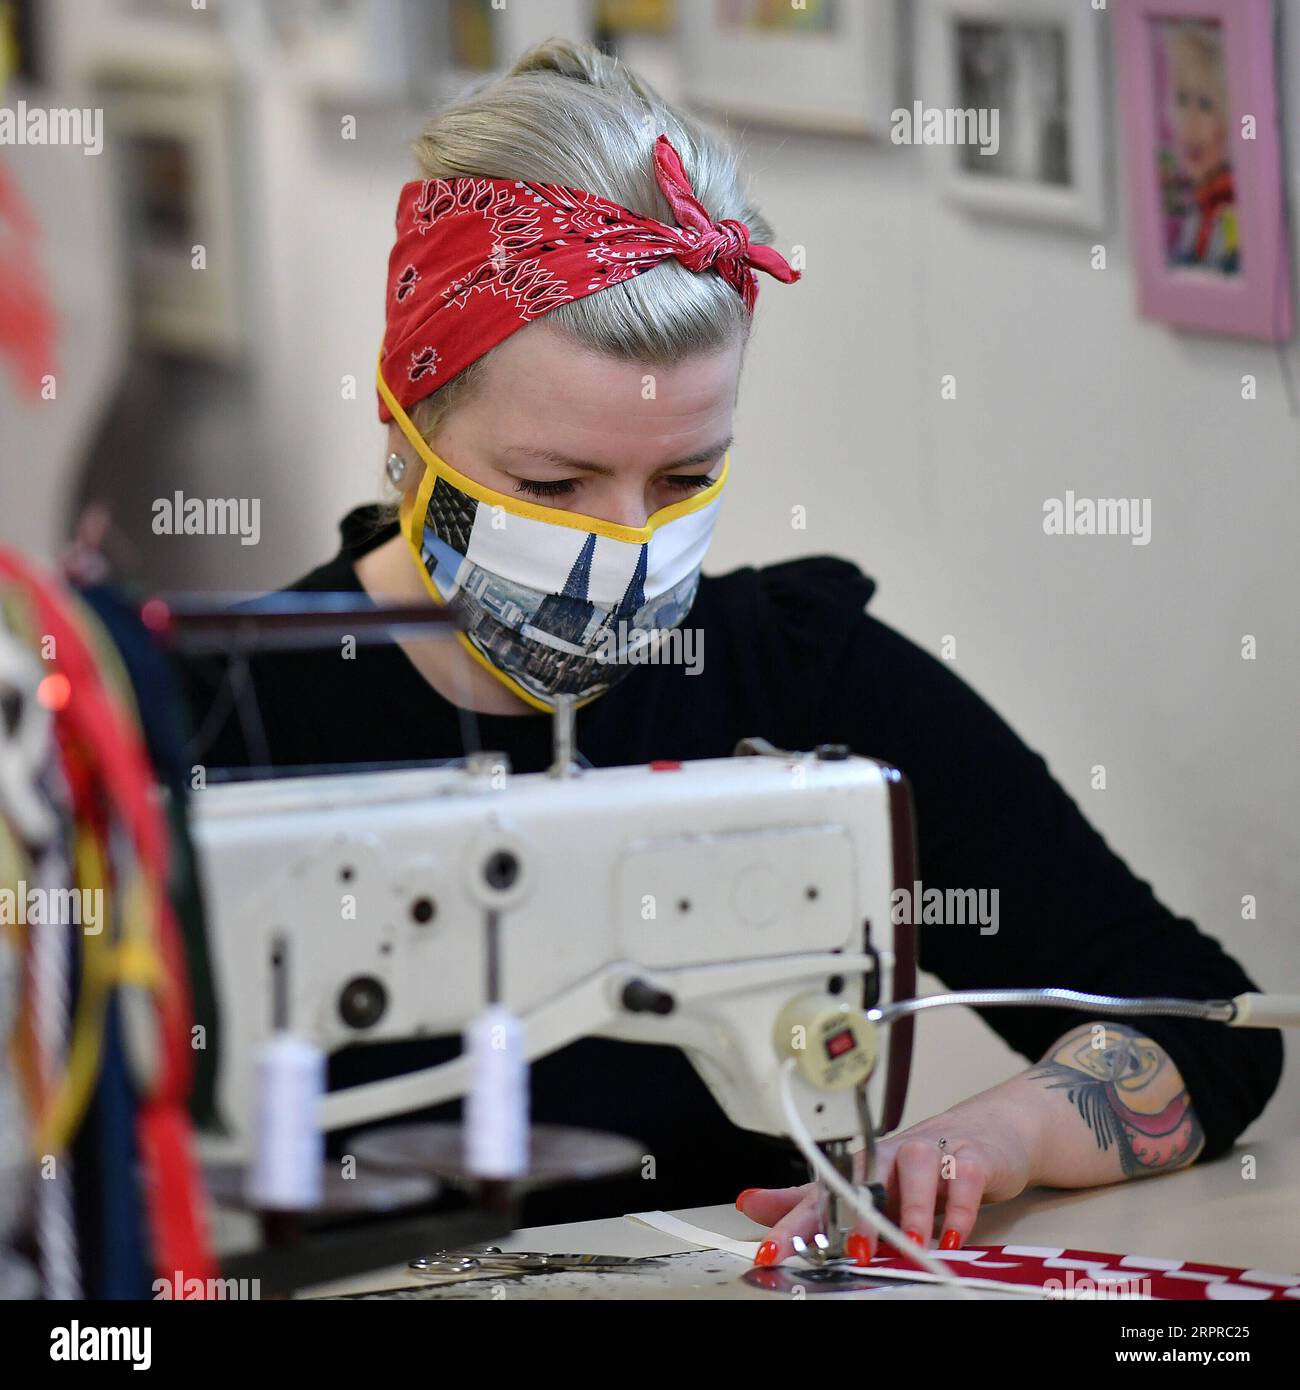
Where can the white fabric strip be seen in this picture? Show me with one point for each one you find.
(1148, 1262)
(696, 1235)
(1263, 1276)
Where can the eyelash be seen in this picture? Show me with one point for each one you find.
(564, 486)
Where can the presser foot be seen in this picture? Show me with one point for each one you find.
(823, 1250)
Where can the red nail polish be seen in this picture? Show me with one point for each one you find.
(915, 1237)
(951, 1239)
(767, 1253)
(748, 1192)
(858, 1248)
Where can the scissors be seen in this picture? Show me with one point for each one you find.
(491, 1259)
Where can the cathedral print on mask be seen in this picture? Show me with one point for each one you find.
(559, 610)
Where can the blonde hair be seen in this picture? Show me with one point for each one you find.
(567, 113)
(1199, 43)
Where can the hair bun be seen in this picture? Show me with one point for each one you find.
(581, 62)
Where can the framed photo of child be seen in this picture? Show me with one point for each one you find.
(1198, 90)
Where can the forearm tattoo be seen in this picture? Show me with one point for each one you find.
(1129, 1094)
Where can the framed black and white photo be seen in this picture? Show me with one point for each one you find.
(1031, 72)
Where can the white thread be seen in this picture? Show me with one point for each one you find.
(289, 1147)
(496, 1107)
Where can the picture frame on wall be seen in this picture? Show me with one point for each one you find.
(1198, 97)
(1039, 65)
(373, 51)
(614, 17)
(473, 35)
(475, 40)
(175, 143)
(827, 66)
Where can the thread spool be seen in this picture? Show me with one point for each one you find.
(287, 1173)
(496, 1108)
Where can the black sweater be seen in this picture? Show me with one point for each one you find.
(790, 654)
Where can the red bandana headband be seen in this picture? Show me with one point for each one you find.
(477, 258)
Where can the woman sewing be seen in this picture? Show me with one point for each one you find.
(569, 294)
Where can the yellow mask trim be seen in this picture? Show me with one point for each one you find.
(436, 467)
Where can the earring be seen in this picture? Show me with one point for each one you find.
(395, 468)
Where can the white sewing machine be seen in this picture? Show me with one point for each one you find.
(736, 908)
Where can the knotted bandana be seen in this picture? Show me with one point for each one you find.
(477, 258)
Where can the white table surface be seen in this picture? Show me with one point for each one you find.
(1215, 1213)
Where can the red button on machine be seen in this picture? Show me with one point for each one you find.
(665, 765)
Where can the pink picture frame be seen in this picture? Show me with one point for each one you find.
(1208, 216)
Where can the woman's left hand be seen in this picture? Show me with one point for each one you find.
(1079, 1118)
(989, 1156)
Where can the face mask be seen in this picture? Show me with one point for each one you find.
(552, 602)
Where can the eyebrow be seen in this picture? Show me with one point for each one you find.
(564, 461)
